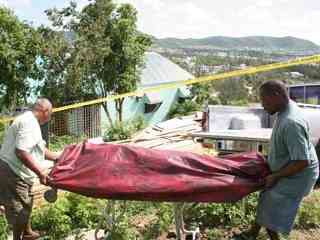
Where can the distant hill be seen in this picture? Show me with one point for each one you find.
(254, 43)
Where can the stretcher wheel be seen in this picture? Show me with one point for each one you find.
(51, 195)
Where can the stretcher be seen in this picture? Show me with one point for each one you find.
(125, 172)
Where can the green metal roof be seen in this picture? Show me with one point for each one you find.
(159, 70)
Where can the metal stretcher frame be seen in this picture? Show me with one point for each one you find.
(110, 218)
(111, 214)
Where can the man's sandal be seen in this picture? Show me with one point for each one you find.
(32, 236)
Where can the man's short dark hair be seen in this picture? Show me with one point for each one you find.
(273, 87)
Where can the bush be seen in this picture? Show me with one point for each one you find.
(2, 131)
(123, 130)
(223, 214)
(58, 143)
(83, 211)
(214, 234)
(182, 109)
(309, 212)
(53, 220)
(3, 228)
(71, 212)
(144, 220)
(140, 220)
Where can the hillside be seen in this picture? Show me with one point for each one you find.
(254, 43)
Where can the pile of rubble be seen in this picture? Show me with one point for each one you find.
(173, 134)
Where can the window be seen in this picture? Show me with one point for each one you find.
(152, 102)
(149, 108)
(312, 94)
(297, 94)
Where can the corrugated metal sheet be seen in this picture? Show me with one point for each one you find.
(159, 70)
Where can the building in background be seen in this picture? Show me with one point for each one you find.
(153, 107)
(308, 93)
(91, 121)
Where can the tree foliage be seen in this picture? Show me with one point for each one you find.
(19, 49)
(107, 50)
(53, 67)
(232, 91)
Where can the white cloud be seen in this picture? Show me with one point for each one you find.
(265, 3)
(190, 18)
(284, 1)
(81, 3)
(16, 3)
(3, 3)
(164, 18)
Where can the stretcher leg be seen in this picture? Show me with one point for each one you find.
(110, 217)
(180, 230)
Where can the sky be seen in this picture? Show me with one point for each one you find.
(204, 18)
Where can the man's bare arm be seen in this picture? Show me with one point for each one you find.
(291, 169)
(52, 156)
(28, 161)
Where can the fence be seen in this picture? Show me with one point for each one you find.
(78, 123)
(84, 121)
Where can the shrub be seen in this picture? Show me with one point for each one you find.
(215, 234)
(122, 228)
(223, 214)
(3, 228)
(58, 143)
(118, 131)
(83, 211)
(53, 220)
(140, 220)
(309, 212)
(123, 130)
(165, 216)
(71, 212)
(2, 131)
(182, 109)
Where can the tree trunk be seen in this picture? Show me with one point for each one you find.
(119, 107)
(118, 110)
(105, 107)
(25, 100)
(13, 101)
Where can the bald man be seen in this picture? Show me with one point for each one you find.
(21, 154)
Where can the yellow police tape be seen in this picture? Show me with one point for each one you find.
(236, 73)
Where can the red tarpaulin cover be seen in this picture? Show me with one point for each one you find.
(134, 173)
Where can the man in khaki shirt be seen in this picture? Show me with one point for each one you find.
(21, 154)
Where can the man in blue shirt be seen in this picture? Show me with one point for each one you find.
(292, 160)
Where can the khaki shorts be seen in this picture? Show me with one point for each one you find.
(15, 196)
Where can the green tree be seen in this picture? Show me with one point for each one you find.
(53, 66)
(108, 49)
(232, 91)
(59, 69)
(19, 48)
(205, 93)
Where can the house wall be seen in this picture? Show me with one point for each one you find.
(133, 107)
